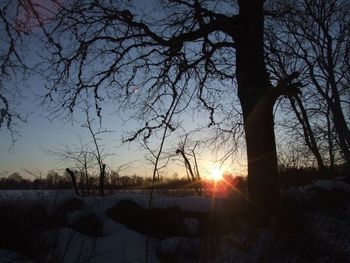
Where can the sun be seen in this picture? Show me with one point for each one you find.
(216, 174)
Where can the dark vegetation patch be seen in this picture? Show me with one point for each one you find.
(300, 176)
(156, 222)
(182, 250)
(292, 233)
(309, 229)
(59, 213)
(73, 204)
(21, 228)
(88, 225)
(302, 227)
(163, 223)
(125, 212)
(331, 202)
(291, 177)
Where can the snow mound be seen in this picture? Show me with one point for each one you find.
(329, 185)
(120, 245)
(7, 256)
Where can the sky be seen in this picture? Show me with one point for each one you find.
(42, 133)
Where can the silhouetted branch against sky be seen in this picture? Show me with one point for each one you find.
(313, 39)
(110, 51)
(13, 68)
(157, 67)
(102, 50)
(170, 67)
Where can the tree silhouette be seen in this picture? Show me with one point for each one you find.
(13, 67)
(187, 51)
(190, 163)
(81, 158)
(314, 38)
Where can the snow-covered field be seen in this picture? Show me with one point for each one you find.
(118, 242)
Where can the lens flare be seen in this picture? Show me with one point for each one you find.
(216, 174)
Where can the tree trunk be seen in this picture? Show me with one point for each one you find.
(87, 181)
(102, 179)
(74, 182)
(256, 96)
(308, 133)
(194, 179)
(341, 130)
(340, 124)
(330, 140)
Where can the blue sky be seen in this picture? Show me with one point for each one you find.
(40, 134)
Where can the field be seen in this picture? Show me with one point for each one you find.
(57, 226)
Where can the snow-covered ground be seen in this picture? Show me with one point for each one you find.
(118, 243)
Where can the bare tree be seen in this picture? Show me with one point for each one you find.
(80, 158)
(105, 49)
(97, 151)
(191, 163)
(317, 35)
(88, 155)
(280, 64)
(13, 66)
(36, 173)
(74, 181)
(113, 176)
(20, 21)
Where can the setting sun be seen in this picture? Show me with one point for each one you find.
(216, 174)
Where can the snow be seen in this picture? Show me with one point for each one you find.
(188, 203)
(329, 185)
(98, 204)
(118, 245)
(306, 193)
(9, 256)
(333, 231)
(121, 244)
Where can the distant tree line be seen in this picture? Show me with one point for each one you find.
(113, 181)
(54, 180)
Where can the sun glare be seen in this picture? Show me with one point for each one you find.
(216, 174)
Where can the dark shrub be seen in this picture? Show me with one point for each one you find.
(73, 204)
(157, 222)
(38, 217)
(298, 176)
(58, 218)
(88, 225)
(165, 222)
(125, 212)
(13, 227)
(333, 202)
(21, 228)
